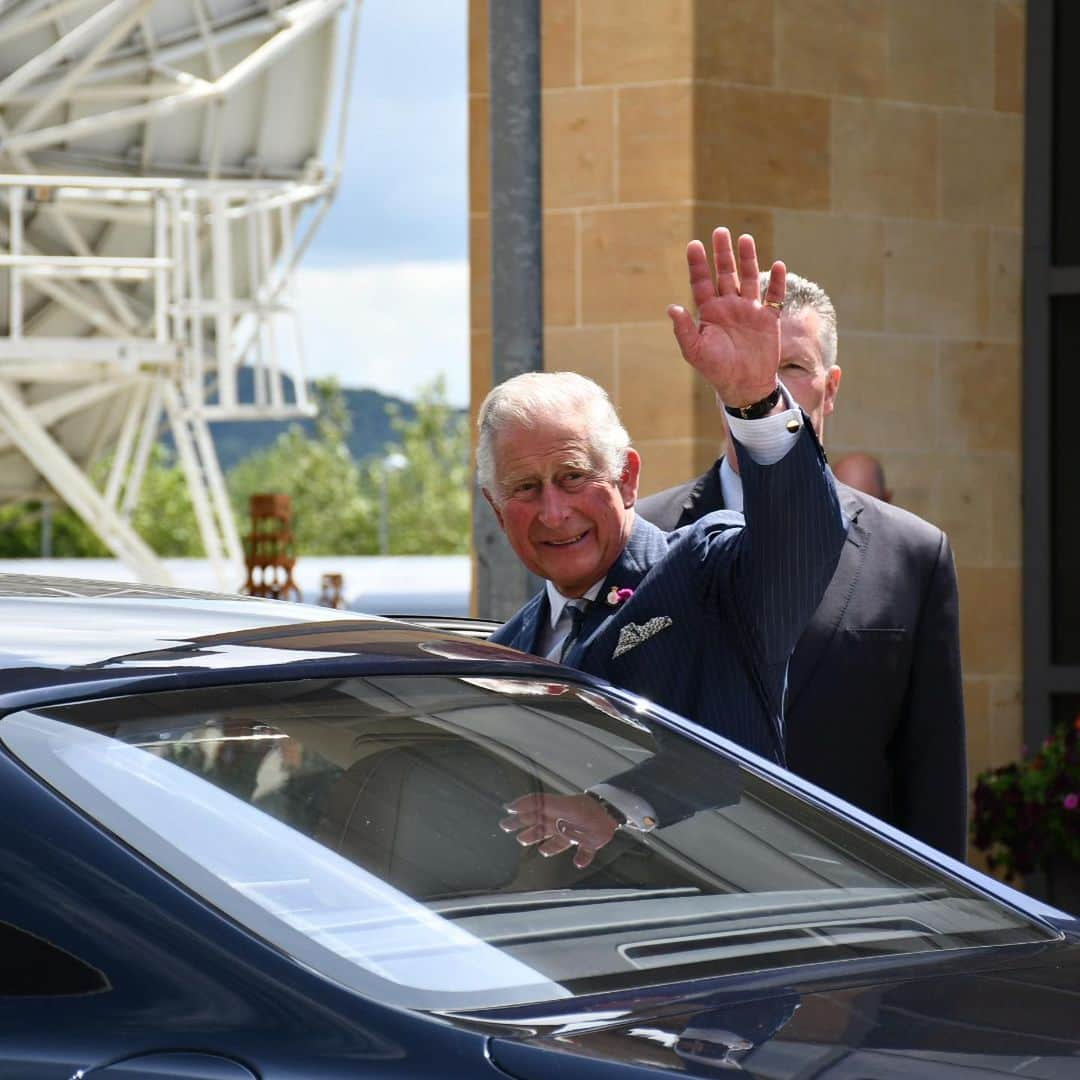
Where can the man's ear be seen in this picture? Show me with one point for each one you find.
(494, 507)
(628, 482)
(832, 385)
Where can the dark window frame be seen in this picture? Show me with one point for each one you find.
(1045, 682)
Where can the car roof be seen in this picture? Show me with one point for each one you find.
(60, 633)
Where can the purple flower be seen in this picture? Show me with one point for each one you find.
(1071, 801)
(617, 596)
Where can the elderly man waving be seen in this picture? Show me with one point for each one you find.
(702, 620)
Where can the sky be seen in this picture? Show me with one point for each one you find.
(383, 291)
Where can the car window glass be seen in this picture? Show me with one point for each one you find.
(355, 823)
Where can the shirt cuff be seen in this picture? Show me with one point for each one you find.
(770, 438)
(638, 812)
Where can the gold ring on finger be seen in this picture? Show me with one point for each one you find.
(778, 304)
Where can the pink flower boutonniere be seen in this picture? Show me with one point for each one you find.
(616, 596)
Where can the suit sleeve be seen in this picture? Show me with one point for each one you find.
(675, 785)
(785, 555)
(929, 758)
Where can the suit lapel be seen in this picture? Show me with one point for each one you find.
(646, 546)
(825, 622)
(705, 496)
(531, 621)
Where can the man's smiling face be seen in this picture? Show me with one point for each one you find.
(565, 518)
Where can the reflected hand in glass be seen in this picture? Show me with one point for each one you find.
(560, 822)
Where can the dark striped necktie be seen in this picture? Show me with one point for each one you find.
(578, 610)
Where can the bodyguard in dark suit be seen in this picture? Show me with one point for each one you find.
(874, 706)
(703, 621)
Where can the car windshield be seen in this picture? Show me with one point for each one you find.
(355, 824)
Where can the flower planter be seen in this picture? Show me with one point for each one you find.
(1027, 817)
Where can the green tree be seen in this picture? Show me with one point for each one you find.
(337, 501)
(334, 510)
(20, 530)
(430, 497)
(163, 517)
(21, 526)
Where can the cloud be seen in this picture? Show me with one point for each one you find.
(390, 326)
(404, 192)
(384, 289)
(412, 52)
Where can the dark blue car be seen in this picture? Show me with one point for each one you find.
(251, 839)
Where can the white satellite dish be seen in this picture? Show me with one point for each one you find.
(161, 172)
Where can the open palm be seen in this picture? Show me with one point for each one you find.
(735, 344)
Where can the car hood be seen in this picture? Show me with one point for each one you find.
(1020, 1019)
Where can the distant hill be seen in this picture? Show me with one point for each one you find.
(371, 429)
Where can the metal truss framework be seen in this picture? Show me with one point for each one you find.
(142, 296)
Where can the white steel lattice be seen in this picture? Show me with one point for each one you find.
(161, 173)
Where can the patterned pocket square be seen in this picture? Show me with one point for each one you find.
(632, 635)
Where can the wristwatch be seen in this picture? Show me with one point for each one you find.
(757, 409)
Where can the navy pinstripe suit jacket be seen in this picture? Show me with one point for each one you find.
(875, 704)
(737, 595)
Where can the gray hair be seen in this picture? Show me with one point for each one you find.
(538, 396)
(804, 295)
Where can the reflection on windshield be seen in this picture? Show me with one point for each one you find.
(353, 913)
(356, 824)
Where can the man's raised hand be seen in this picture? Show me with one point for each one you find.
(735, 344)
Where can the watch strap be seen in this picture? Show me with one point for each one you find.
(757, 409)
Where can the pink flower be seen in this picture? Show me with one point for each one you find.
(1071, 801)
(616, 595)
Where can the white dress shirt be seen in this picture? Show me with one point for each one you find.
(732, 492)
(553, 633)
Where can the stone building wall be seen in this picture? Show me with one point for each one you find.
(877, 147)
